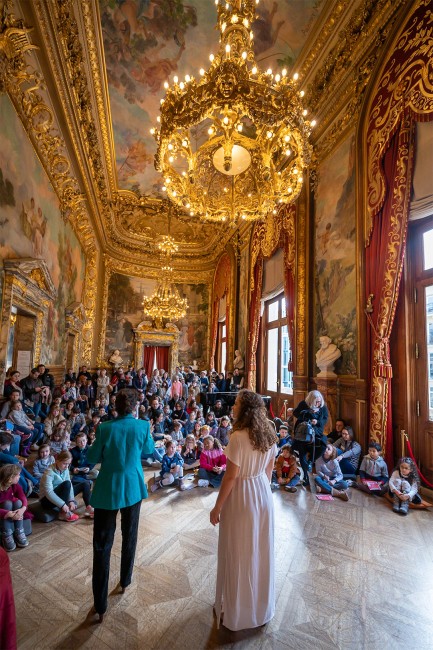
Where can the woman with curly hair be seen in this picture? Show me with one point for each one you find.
(244, 509)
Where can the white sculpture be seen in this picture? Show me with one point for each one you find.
(115, 360)
(239, 361)
(326, 356)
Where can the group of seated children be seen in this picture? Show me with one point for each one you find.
(336, 470)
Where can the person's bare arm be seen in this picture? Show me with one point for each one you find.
(269, 468)
(232, 473)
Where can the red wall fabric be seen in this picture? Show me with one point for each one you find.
(162, 357)
(148, 358)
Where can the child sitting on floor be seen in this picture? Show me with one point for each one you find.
(13, 507)
(172, 468)
(43, 461)
(189, 453)
(373, 468)
(59, 439)
(223, 431)
(177, 433)
(403, 485)
(212, 463)
(286, 470)
(80, 467)
(56, 491)
(329, 477)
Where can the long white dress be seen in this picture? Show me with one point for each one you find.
(245, 589)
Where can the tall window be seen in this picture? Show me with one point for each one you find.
(222, 347)
(277, 378)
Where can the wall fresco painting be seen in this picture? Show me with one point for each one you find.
(31, 225)
(146, 43)
(125, 312)
(335, 270)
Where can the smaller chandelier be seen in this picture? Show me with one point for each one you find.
(233, 143)
(167, 245)
(165, 302)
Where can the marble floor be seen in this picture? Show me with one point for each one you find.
(348, 575)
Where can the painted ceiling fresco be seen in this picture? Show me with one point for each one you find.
(147, 42)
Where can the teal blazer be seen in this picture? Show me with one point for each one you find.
(119, 446)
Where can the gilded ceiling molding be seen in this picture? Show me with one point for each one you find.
(23, 82)
(277, 230)
(73, 59)
(336, 91)
(365, 19)
(405, 87)
(127, 222)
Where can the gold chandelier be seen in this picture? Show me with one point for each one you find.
(165, 302)
(234, 142)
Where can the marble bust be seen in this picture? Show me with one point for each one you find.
(326, 356)
(115, 359)
(238, 362)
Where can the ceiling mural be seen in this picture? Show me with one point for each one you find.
(146, 42)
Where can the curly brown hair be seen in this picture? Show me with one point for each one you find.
(7, 472)
(253, 416)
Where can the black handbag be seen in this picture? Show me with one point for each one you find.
(304, 432)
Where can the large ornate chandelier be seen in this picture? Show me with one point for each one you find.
(165, 302)
(234, 142)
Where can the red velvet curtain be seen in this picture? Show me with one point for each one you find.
(148, 359)
(254, 322)
(214, 332)
(162, 357)
(384, 264)
(289, 293)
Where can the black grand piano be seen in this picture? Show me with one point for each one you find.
(228, 399)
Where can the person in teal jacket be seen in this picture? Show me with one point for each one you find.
(119, 446)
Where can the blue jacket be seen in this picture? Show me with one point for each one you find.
(119, 446)
(168, 463)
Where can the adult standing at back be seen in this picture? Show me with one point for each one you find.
(244, 509)
(313, 411)
(119, 446)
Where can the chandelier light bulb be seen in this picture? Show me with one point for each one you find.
(170, 146)
(244, 55)
(211, 57)
(246, 22)
(302, 93)
(304, 112)
(158, 119)
(296, 76)
(184, 143)
(313, 123)
(187, 78)
(181, 85)
(226, 120)
(254, 70)
(175, 78)
(283, 72)
(277, 78)
(235, 18)
(211, 130)
(152, 131)
(201, 71)
(269, 71)
(171, 159)
(166, 84)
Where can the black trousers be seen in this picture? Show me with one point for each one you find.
(103, 536)
(63, 491)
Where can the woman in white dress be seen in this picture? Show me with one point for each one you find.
(245, 593)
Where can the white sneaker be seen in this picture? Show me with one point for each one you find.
(155, 486)
(90, 512)
(202, 482)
